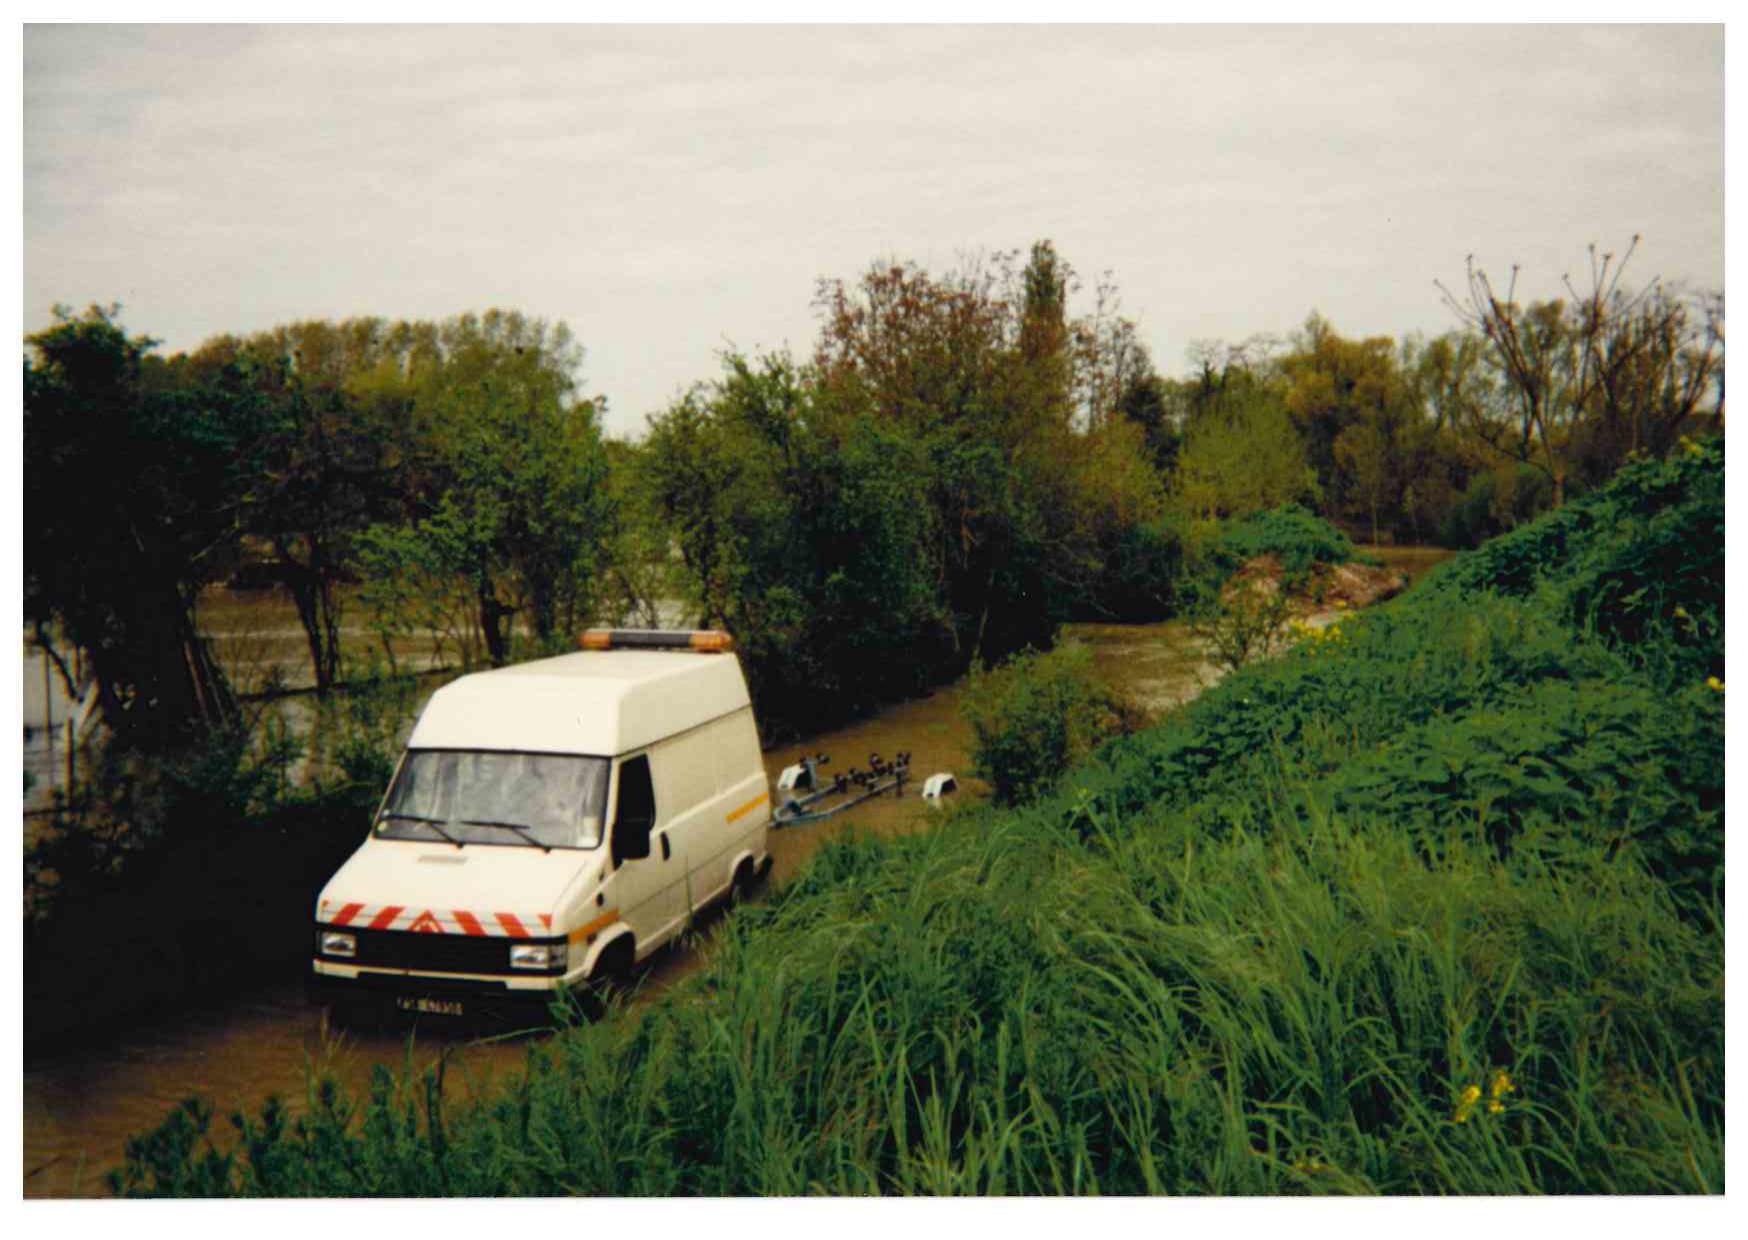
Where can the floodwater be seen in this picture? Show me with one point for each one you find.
(81, 1104)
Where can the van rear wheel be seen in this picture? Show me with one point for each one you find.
(740, 890)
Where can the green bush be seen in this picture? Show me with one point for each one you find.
(1292, 533)
(1495, 502)
(1035, 716)
(1142, 579)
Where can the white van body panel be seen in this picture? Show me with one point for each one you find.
(480, 878)
(607, 703)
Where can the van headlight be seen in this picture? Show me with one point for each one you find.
(336, 943)
(539, 955)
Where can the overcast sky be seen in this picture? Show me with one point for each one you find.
(669, 191)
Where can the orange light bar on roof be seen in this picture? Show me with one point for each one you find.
(701, 641)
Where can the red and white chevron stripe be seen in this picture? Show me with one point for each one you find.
(434, 920)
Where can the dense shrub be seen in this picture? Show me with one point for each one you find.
(1142, 578)
(1292, 533)
(1495, 502)
(211, 858)
(1037, 715)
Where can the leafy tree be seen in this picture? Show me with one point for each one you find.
(318, 462)
(1366, 455)
(1006, 397)
(131, 501)
(640, 574)
(1242, 455)
(805, 536)
(508, 503)
(1354, 407)
(1145, 403)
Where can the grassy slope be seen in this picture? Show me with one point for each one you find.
(1473, 841)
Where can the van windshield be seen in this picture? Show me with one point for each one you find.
(530, 800)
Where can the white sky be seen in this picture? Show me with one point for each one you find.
(669, 190)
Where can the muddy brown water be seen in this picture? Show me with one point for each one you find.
(81, 1105)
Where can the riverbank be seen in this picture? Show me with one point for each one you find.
(1399, 912)
(254, 1034)
(154, 1024)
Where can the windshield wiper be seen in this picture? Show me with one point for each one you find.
(436, 824)
(517, 827)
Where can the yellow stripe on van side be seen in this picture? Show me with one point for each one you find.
(749, 807)
(606, 919)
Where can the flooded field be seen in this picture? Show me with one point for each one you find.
(81, 1105)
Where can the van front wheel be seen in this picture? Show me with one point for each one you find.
(613, 970)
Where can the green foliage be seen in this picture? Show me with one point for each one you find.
(513, 519)
(951, 477)
(1243, 620)
(1036, 716)
(1242, 455)
(132, 488)
(376, 716)
(1144, 569)
(1294, 535)
(1495, 502)
(211, 857)
(802, 535)
(1431, 905)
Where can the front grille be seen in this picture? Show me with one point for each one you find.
(434, 953)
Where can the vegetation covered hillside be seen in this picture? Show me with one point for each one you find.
(1431, 904)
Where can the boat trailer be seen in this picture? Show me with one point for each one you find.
(850, 787)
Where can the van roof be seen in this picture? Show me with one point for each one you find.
(606, 703)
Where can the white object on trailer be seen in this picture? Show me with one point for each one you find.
(939, 785)
(553, 822)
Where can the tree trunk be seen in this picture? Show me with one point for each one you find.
(492, 614)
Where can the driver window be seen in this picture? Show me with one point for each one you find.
(637, 811)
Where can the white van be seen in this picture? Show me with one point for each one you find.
(552, 823)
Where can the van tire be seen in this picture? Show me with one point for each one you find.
(740, 887)
(613, 970)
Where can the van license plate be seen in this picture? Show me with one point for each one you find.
(438, 1007)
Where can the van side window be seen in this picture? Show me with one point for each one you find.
(637, 810)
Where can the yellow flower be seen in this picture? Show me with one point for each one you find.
(1501, 1085)
(1714, 684)
(1466, 1103)
(1341, 604)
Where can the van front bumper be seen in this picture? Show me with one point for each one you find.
(383, 992)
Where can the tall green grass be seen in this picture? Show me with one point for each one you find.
(1429, 906)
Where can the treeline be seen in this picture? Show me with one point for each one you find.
(961, 464)
(452, 470)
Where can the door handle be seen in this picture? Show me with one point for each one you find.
(666, 851)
